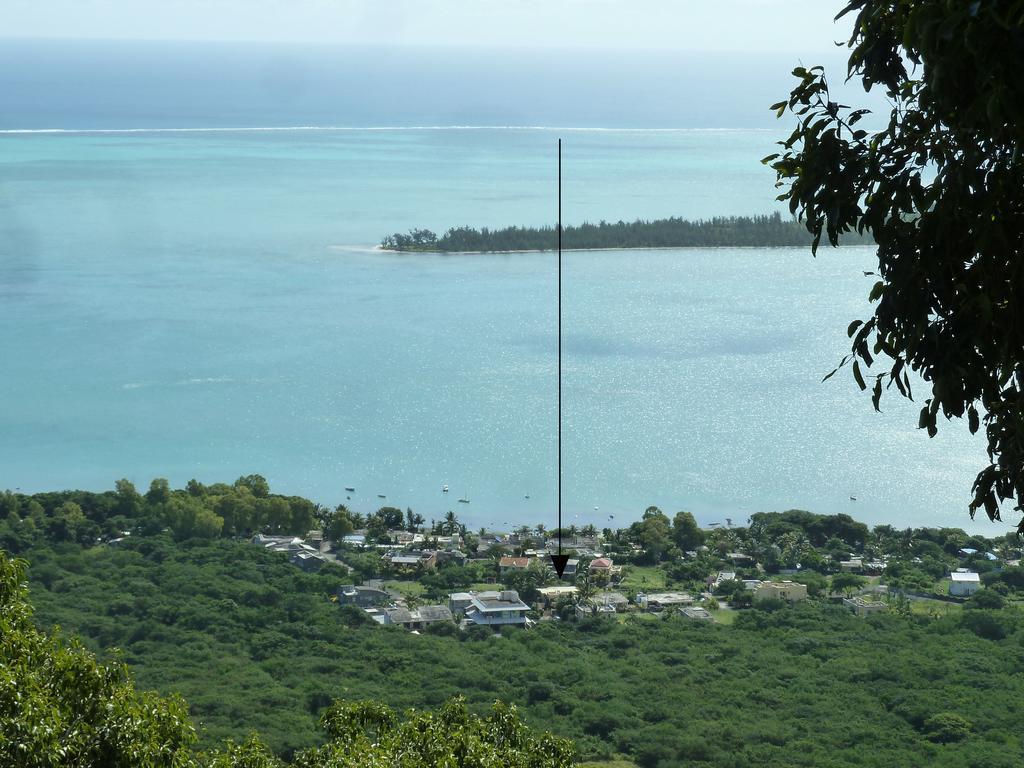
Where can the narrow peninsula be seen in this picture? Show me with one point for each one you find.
(767, 231)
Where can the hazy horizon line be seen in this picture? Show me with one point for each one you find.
(429, 46)
(352, 128)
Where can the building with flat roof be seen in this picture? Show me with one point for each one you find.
(659, 601)
(862, 607)
(458, 602)
(790, 591)
(615, 600)
(307, 561)
(504, 608)
(551, 595)
(698, 614)
(364, 597)
(418, 618)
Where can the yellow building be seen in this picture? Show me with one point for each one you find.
(790, 591)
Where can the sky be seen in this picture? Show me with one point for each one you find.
(800, 27)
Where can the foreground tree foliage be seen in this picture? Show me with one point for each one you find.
(940, 189)
(58, 706)
(367, 733)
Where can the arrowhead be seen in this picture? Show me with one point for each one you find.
(559, 562)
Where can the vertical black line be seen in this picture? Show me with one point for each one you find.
(559, 346)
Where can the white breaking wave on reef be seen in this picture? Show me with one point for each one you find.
(353, 128)
(179, 383)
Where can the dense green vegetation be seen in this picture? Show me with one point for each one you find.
(253, 643)
(58, 706)
(735, 231)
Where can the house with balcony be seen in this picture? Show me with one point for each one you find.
(495, 609)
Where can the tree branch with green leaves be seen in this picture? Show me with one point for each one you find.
(940, 189)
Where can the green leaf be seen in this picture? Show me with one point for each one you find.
(858, 377)
(973, 422)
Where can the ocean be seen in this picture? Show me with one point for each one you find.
(208, 303)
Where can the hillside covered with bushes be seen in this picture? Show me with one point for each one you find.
(253, 643)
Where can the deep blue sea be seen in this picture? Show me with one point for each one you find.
(208, 303)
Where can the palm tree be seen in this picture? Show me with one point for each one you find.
(413, 520)
(450, 524)
(322, 515)
(412, 601)
(585, 587)
(546, 576)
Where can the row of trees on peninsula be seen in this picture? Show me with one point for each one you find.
(721, 231)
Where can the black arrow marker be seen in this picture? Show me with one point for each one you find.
(559, 561)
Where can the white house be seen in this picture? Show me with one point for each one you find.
(964, 583)
(502, 609)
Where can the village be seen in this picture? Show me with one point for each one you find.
(443, 578)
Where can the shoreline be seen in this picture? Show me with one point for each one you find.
(381, 249)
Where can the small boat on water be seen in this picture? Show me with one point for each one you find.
(463, 501)
(381, 496)
(526, 496)
(444, 489)
(349, 489)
